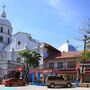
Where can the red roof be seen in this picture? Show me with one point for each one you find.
(64, 55)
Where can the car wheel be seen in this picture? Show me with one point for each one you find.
(10, 84)
(48, 86)
(18, 85)
(6, 85)
(23, 84)
(52, 85)
(68, 85)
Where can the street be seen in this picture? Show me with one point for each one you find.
(32, 87)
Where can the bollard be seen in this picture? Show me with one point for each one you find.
(33, 77)
(38, 76)
(76, 83)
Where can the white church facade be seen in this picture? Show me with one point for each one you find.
(10, 45)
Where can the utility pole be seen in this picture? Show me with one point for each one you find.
(82, 68)
(85, 39)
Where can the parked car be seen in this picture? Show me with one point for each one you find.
(13, 82)
(52, 81)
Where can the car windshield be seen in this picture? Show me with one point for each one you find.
(55, 78)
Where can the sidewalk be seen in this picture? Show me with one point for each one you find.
(82, 85)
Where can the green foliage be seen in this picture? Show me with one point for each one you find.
(30, 57)
(85, 57)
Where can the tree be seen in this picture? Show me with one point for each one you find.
(30, 59)
(86, 53)
(85, 29)
(85, 57)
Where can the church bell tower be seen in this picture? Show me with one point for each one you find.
(5, 30)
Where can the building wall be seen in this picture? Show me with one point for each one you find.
(65, 63)
(25, 41)
(5, 35)
(43, 52)
(14, 47)
(7, 66)
(3, 68)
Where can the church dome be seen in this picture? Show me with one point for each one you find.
(3, 19)
(66, 47)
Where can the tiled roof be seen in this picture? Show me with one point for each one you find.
(64, 55)
(50, 47)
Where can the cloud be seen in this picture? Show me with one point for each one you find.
(54, 3)
(62, 9)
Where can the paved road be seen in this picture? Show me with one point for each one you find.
(30, 87)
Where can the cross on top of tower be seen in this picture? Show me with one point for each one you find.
(3, 14)
(3, 7)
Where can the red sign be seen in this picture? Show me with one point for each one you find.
(77, 67)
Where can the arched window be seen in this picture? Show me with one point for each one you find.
(8, 40)
(1, 39)
(1, 29)
(30, 38)
(8, 31)
(19, 42)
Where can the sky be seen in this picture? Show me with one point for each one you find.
(50, 21)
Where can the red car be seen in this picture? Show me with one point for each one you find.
(13, 82)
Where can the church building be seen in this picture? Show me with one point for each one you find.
(10, 45)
